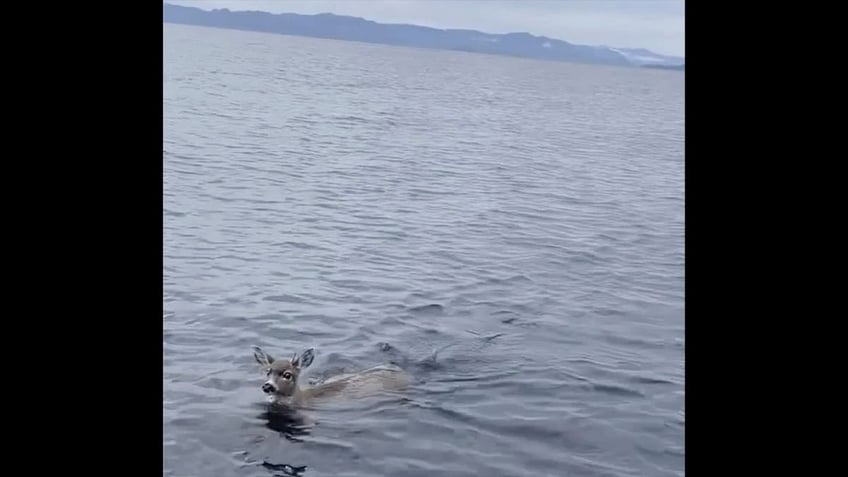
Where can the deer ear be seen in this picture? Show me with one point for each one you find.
(304, 360)
(262, 357)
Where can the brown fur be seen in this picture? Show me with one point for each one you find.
(283, 378)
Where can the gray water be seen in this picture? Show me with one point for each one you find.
(524, 218)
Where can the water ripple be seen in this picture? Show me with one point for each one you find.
(509, 231)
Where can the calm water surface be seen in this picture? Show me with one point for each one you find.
(524, 219)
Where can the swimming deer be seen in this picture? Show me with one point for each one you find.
(282, 384)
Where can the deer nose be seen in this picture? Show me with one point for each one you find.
(267, 388)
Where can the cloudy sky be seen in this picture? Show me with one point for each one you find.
(657, 25)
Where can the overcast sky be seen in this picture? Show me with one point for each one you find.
(657, 25)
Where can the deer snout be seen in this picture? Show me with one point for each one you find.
(268, 388)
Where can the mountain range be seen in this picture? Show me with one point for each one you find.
(339, 27)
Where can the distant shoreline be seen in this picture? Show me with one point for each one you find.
(338, 27)
(666, 67)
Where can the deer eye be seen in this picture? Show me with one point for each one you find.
(287, 375)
